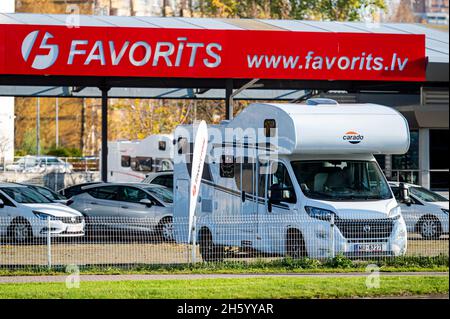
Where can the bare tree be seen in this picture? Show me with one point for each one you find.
(5, 144)
(404, 12)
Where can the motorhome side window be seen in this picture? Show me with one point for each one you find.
(126, 161)
(182, 145)
(280, 185)
(227, 166)
(162, 145)
(269, 127)
(246, 181)
(143, 164)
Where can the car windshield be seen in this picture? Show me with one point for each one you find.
(426, 195)
(27, 161)
(341, 180)
(25, 195)
(163, 194)
(48, 193)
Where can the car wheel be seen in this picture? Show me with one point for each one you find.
(209, 251)
(295, 245)
(430, 227)
(21, 231)
(165, 229)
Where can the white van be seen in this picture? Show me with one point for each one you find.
(306, 184)
(132, 161)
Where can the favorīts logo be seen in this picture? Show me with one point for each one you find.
(29, 52)
(353, 137)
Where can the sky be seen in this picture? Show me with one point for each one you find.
(7, 6)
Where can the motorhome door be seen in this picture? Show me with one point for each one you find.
(280, 208)
(249, 200)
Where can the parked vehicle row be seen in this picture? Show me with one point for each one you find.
(30, 211)
(25, 208)
(40, 164)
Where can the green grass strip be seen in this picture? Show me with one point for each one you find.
(267, 287)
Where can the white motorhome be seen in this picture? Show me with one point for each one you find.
(132, 161)
(306, 184)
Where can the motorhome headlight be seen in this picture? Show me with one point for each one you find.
(395, 212)
(41, 216)
(319, 213)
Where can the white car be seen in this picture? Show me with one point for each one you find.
(25, 214)
(40, 164)
(427, 214)
(160, 178)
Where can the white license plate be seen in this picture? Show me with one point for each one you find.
(74, 229)
(369, 248)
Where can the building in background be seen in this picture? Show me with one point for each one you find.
(423, 11)
(6, 109)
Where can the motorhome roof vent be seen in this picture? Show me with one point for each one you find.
(320, 100)
(224, 122)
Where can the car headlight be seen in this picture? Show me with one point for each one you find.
(445, 211)
(319, 213)
(41, 216)
(395, 212)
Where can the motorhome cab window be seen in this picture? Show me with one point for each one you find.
(281, 182)
(341, 180)
(143, 164)
(126, 161)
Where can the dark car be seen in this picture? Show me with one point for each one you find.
(75, 189)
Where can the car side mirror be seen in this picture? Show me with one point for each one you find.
(147, 202)
(2, 204)
(408, 201)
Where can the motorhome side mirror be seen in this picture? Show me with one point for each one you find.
(404, 195)
(276, 193)
(2, 204)
(147, 202)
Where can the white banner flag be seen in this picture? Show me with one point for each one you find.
(198, 161)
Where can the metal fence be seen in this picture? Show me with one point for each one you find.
(48, 164)
(126, 242)
(54, 181)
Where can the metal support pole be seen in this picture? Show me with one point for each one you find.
(332, 252)
(194, 239)
(229, 100)
(49, 244)
(57, 122)
(104, 155)
(38, 127)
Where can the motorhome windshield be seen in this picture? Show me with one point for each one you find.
(341, 180)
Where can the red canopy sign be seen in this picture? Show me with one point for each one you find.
(186, 53)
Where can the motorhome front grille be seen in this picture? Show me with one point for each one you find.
(365, 229)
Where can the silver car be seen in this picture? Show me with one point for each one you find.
(125, 206)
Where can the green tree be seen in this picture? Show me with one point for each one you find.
(345, 10)
(329, 10)
(28, 146)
